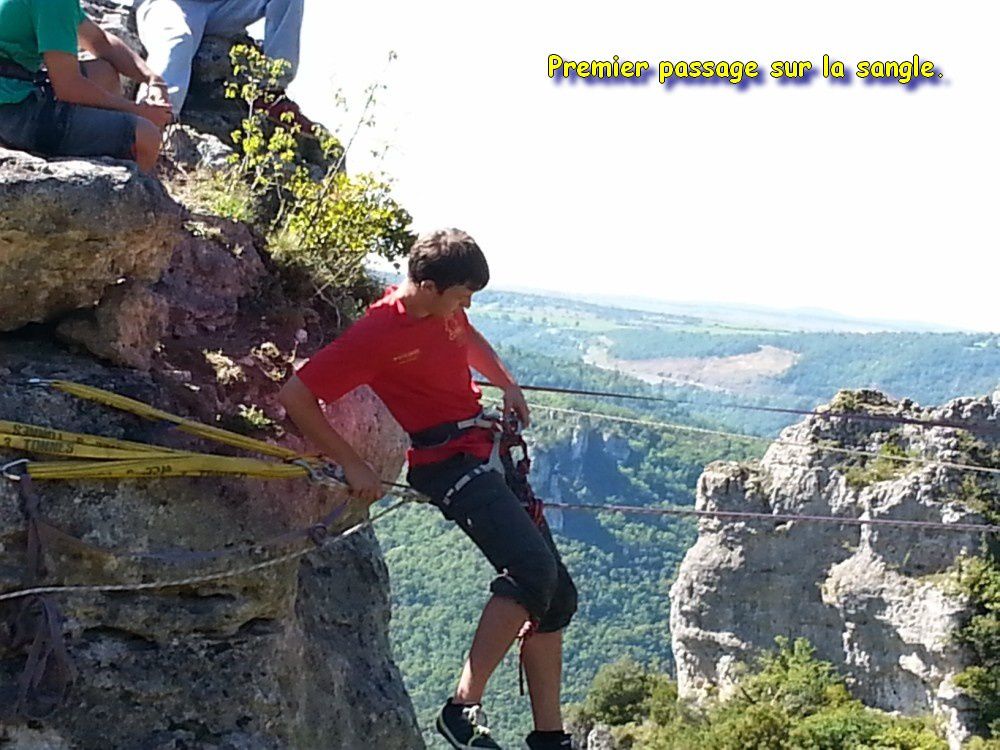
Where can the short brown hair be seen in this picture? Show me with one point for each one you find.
(448, 257)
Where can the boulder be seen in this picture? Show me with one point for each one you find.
(71, 230)
(215, 266)
(125, 327)
(190, 149)
(291, 656)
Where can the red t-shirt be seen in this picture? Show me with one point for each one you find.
(419, 367)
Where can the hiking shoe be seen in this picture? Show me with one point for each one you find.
(283, 111)
(465, 726)
(548, 741)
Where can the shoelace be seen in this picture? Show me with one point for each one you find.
(475, 715)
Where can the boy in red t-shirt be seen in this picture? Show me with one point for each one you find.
(414, 348)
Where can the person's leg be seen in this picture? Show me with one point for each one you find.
(282, 25)
(171, 31)
(542, 654)
(499, 625)
(231, 17)
(493, 518)
(148, 141)
(282, 32)
(103, 74)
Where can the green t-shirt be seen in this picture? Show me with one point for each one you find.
(29, 28)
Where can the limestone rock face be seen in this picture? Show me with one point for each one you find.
(874, 601)
(293, 656)
(124, 328)
(71, 230)
(194, 150)
(209, 273)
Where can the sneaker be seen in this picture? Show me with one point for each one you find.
(465, 726)
(283, 111)
(548, 741)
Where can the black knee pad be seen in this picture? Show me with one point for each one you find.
(532, 581)
(563, 605)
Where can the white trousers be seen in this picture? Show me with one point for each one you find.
(172, 30)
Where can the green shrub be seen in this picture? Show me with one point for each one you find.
(793, 678)
(978, 743)
(320, 223)
(757, 726)
(619, 694)
(663, 707)
(979, 580)
(908, 734)
(882, 468)
(848, 725)
(785, 700)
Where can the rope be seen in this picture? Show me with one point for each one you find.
(207, 577)
(778, 441)
(412, 496)
(123, 403)
(34, 439)
(751, 516)
(177, 465)
(769, 409)
(123, 459)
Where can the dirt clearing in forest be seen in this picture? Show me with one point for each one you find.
(717, 373)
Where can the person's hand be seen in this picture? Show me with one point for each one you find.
(160, 114)
(513, 401)
(156, 92)
(363, 482)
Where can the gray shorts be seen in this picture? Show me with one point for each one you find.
(42, 125)
(529, 568)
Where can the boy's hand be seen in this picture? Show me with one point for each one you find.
(160, 115)
(364, 483)
(513, 401)
(156, 92)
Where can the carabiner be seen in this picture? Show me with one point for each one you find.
(5, 469)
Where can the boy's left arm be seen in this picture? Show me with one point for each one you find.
(101, 44)
(484, 359)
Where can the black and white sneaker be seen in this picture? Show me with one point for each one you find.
(465, 727)
(548, 741)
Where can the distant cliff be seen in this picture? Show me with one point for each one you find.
(879, 603)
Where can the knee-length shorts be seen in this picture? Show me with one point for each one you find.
(529, 568)
(43, 125)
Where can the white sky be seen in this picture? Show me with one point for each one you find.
(873, 201)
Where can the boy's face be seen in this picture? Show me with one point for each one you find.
(449, 301)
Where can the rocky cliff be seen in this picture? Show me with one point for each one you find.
(877, 602)
(107, 279)
(295, 656)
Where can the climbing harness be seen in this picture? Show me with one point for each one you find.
(507, 438)
(446, 432)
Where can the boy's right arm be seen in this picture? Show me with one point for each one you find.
(72, 87)
(304, 410)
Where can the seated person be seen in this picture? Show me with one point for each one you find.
(172, 30)
(73, 108)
